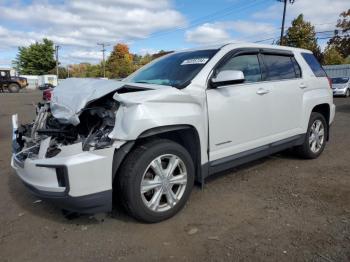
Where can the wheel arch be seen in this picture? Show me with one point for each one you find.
(323, 109)
(185, 135)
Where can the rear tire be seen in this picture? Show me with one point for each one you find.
(13, 88)
(155, 180)
(315, 139)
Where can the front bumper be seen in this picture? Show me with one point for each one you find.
(89, 204)
(339, 92)
(75, 180)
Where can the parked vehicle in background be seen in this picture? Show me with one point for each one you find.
(341, 86)
(12, 84)
(179, 119)
(46, 86)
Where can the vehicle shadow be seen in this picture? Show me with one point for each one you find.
(345, 108)
(30, 204)
(237, 171)
(36, 207)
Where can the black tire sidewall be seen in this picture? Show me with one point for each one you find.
(134, 194)
(15, 89)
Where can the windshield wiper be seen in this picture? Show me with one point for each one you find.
(142, 82)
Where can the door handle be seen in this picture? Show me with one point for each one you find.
(262, 91)
(302, 86)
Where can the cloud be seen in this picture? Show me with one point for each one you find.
(228, 31)
(251, 28)
(82, 55)
(322, 13)
(81, 24)
(144, 51)
(208, 34)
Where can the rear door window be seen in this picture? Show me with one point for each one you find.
(314, 64)
(279, 67)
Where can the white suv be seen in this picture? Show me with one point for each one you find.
(179, 119)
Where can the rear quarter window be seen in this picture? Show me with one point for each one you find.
(281, 67)
(314, 65)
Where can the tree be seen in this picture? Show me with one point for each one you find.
(341, 40)
(302, 34)
(36, 59)
(120, 62)
(161, 53)
(85, 70)
(331, 56)
(62, 72)
(146, 59)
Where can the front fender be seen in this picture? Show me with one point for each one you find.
(145, 110)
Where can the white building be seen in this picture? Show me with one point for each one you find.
(34, 81)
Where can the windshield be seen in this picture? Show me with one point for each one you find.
(340, 80)
(175, 70)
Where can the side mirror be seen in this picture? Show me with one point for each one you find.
(228, 77)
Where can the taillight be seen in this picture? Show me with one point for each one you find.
(329, 82)
(47, 94)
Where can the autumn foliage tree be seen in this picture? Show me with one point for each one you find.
(120, 62)
(331, 56)
(341, 41)
(85, 70)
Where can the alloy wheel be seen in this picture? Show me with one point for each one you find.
(316, 136)
(163, 183)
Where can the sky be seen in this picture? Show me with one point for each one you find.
(148, 26)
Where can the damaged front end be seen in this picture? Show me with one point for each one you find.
(65, 163)
(96, 122)
(69, 153)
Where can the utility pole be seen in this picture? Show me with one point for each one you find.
(284, 17)
(56, 51)
(103, 45)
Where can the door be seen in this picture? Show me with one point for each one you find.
(238, 113)
(286, 94)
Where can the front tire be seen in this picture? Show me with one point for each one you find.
(13, 88)
(315, 139)
(156, 180)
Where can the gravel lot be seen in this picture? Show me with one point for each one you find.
(279, 208)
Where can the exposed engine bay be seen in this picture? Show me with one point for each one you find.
(97, 120)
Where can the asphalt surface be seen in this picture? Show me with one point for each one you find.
(280, 208)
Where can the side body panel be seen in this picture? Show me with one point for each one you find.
(142, 111)
(238, 119)
(316, 92)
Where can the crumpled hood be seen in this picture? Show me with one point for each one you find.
(73, 94)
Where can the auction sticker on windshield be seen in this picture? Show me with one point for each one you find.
(195, 61)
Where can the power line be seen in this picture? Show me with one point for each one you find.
(263, 40)
(207, 18)
(322, 37)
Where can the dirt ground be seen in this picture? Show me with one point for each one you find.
(279, 208)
